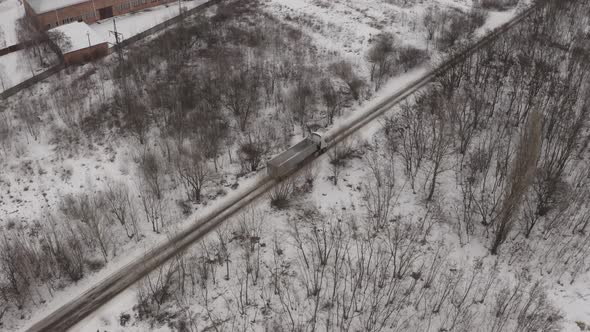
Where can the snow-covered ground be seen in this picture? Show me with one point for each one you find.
(17, 67)
(10, 12)
(342, 26)
(133, 23)
(329, 198)
(348, 26)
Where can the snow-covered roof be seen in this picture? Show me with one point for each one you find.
(44, 6)
(80, 36)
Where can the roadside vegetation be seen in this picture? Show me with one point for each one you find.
(466, 207)
(492, 155)
(106, 156)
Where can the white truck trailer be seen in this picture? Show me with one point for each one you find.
(290, 159)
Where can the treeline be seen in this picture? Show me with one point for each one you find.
(510, 126)
(337, 273)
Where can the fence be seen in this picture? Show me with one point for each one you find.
(157, 28)
(32, 81)
(11, 49)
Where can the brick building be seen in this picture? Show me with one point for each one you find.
(47, 14)
(81, 44)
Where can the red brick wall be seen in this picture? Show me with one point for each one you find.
(88, 11)
(86, 54)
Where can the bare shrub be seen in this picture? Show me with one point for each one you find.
(410, 57)
(344, 71)
(281, 193)
(155, 290)
(251, 155)
(379, 191)
(88, 209)
(337, 163)
(456, 26)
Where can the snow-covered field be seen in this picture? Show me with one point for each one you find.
(15, 68)
(34, 182)
(131, 24)
(349, 26)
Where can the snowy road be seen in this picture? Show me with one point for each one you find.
(74, 311)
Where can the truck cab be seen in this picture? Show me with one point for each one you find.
(320, 141)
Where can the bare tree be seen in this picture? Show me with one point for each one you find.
(381, 56)
(155, 290)
(408, 134)
(253, 148)
(440, 143)
(301, 100)
(521, 176)
(6, 134)
(337, 164)
(60, 39)
(151, 169)
(331, 98)
(193, 171)
(380, 189)
(120, 208)
(241, 96)
(431, 24)
(87, 209)
(153, 207)
(29, 114)
(128, 99)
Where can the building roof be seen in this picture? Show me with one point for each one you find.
(80, 36)
(44, 6)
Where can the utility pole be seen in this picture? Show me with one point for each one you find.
(115, 33)
(88, 35)
(118, 39)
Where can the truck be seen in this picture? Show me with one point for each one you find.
(288, 161)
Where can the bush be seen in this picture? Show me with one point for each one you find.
(348, 149)
(94, 263)
(478, 17)
(410, 57)
(458, 26)
(281, 194)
